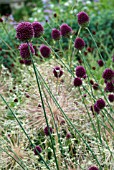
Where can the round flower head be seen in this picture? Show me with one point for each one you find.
(46, 131)
(45, 51)
(24, 50)
(100, 103)
(24, 31)
(96, 109)
(79, 43)
(95, 86)
(108, 74)
(37, 150)
(55, 34)
(111, 97)
(57, 72)
(93, 168)
(68, 136)
(38, 29)
(110, 87)
(80, 71)
(83, 19)
(65, 30)
(100, 63)
(28, 62)
(77, 82)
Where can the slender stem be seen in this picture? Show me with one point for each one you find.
(95, 44)
(38, 84)
(23, 130)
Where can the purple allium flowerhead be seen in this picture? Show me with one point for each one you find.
(77, 82)
(38, 29)
(80, 71)
(79, 43)
(111, 97)
(45, 51)
(55, 34)
(95, 86)
(24, 50)
(109, 87)
(96, 109)
(28, 62)
(108, 74)
(57, 72)
(83, 19)
(93, 168)
(100, 63)
(46, 130)
(37, 150)
(24, 31)
(65, 30)
(100, 103)
(68, 136)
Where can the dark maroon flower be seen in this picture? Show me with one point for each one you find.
(1, 20)
(24, 31)
(93, 32)
(68, 136)
(93, 168)
(111, 97)
(37, 150)
(57, 72)
(21, 61)
(109, 87)
(95, 86)
(24, 50)
(77, 82)
(45, 51)
(79, 43)
(94, 68)
(15, 100)
(108, 74)
(91, 82)
(96, 109)
(83, 19)
(0, 49)
(89, 49)
(55, 34)
(38, 29)
(85, 53)
(80, 71)
(46, 131)
(28, 62)
(100, 63)
(100, 103)
(65, 30)
(55, 15)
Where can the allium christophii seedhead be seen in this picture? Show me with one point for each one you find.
(65, 30)
(93, 168)
(79, 43)
(38, 29)
(55, 34)
(83, 19)
(24, 31)
(100, 63)
(57, 72)
(80, 71)
(46, 130)
(108, 74)
(77, 82)
(45, 51)
(110, 87)
(100, 103)
(37, 150)
(24, 50)
(111, 97)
